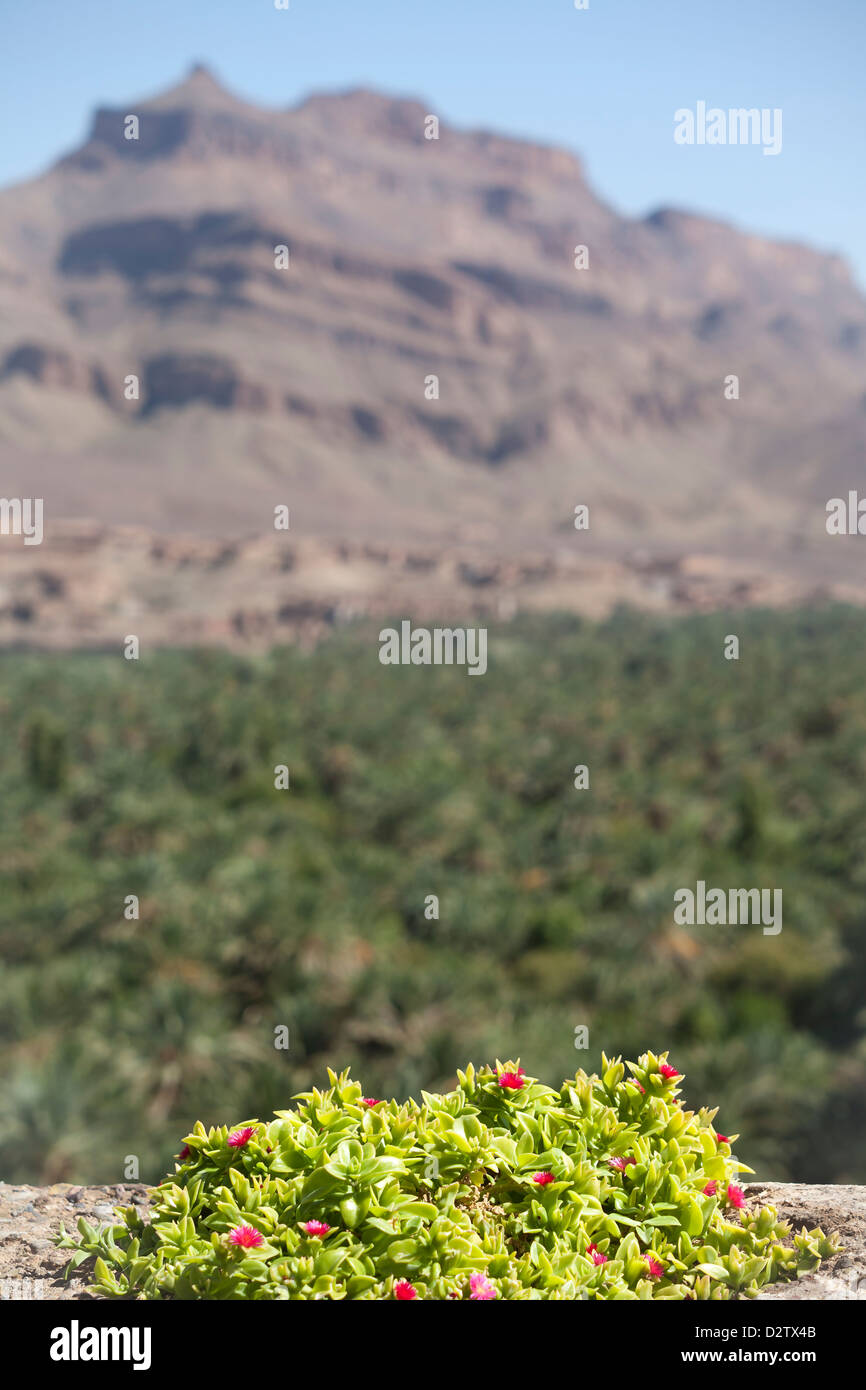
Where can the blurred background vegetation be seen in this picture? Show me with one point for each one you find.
(306, 907)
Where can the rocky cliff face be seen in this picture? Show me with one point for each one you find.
(422, 362)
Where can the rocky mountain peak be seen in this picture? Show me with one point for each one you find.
(317, 302)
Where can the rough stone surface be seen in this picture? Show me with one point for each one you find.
(32, 1268)
(834, 1208)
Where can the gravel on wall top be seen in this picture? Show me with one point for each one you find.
(32, 1268)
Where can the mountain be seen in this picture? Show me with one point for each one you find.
(408, 258)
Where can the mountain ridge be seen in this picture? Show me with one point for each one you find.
(432, 361)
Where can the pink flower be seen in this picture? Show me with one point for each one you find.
(247, 1237)
(736, 1196)
(668, 1071)
(595, 1255)
(239, 1137)
(543, 1179)
(641, 1088)
(710, 1189)
(722, 1139)
(184, 1153)
(370, 1101)
(511, 1081)
(619, 1163)
(404, 1291)
(654, 1268)
(481, 1288)
(317, 1228)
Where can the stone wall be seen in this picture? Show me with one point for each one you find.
(31, 1267)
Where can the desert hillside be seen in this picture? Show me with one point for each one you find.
(307, 380)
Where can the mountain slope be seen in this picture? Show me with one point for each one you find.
(411, 258)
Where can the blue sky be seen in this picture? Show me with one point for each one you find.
(604, 82)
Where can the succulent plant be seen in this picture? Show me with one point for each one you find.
(608, 1188)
